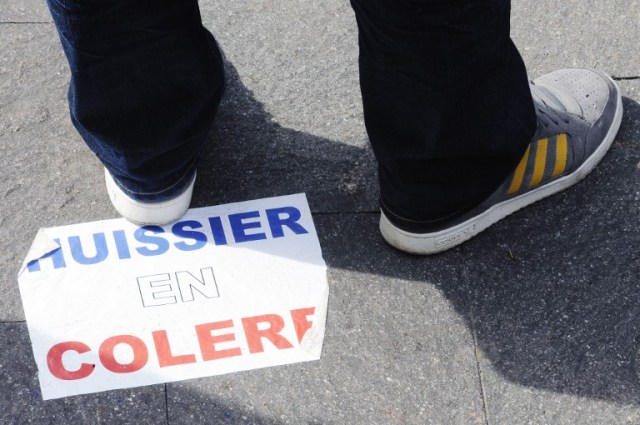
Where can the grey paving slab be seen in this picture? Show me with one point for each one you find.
(556, 314)
(21, 401)
(292, 117)
(251, 155)
(396, 351)
(554, 34)
(554, 300)
(47, 176)
(298, 58)
(630, 89)
(618, 176)
(24, 11)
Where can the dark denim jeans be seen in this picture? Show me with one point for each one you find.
(447, 103)
(446, 98)
(146, 80)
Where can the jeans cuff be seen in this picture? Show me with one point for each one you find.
(169, 192)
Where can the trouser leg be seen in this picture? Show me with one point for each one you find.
(146, 80)
(447, 104)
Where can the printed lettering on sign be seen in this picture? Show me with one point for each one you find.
(227, 288)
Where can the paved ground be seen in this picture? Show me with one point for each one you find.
(536, 321)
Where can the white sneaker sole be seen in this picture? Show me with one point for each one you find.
(432, 243)
(145, 213)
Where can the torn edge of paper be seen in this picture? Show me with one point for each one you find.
(43, 246)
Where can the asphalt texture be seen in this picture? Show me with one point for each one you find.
(535, 321)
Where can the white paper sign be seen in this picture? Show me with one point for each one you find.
(227, 288)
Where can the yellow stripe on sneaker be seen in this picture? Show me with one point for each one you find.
(540, 162)
(518, 175)
(561, 154)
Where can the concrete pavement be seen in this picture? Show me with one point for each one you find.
(535, 321)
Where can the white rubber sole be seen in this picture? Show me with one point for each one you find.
(432, 243)
(145, 213)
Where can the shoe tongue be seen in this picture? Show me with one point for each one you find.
(549, 98)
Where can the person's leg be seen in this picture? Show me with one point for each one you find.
(146, 80)
(461, 137)
(446, 102)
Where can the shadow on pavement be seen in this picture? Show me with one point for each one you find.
(250, 156)
(551, 292)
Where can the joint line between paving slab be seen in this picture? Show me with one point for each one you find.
(637, 77)
(479, 369)
(345, 212)
(166, 402)
(11, 322)
(26, 23)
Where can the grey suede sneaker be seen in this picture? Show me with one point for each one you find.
(579, 113)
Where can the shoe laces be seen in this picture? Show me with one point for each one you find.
(546, 113)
